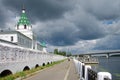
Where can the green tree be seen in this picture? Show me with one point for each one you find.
(55, 51)
(62, 53)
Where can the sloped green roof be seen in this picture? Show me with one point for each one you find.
(23, 20)
(43, 44)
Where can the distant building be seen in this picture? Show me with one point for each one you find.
(23, 35)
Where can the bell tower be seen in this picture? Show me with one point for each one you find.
(24, 26)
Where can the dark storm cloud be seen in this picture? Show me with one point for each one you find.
(2, 19)
(89, 30)
(60, 33)
(88, 27)
(2, 16)
(61, 39)
(40, 9)
(102, 9)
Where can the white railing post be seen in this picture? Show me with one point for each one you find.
(83, 71)
(79, 64)
(86, 71)
(76, 66)
(104, 76)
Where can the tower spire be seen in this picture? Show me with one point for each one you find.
(23, 9)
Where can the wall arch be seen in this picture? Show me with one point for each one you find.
(5, 73)
(51, 62)
(43, 64)
(36, 66)
(48, 63)
(26, 68)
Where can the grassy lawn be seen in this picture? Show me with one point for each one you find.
(23, 74)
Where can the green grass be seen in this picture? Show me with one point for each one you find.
(23, 74)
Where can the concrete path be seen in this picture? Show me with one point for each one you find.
(62, 71)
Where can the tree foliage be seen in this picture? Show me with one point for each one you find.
(55, 51)
(64, 53)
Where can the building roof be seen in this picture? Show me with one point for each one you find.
(23, 19)
(43, 44)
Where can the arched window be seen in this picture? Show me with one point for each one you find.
(11, 38)
(17, 26)
(25, 26)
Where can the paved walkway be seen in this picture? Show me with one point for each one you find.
(62, 71)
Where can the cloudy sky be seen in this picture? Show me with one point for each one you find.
(74, 25)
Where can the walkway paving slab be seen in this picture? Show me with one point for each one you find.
(62, 71)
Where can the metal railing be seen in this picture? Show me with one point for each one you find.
(92, 75)
(87, 73)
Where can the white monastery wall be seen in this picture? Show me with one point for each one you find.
(16, 58)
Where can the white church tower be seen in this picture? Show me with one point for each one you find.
(24, 25)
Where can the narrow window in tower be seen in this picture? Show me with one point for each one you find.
(17, 26)
(24, 26)
(11, 38)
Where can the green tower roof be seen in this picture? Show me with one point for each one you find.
(23, 19)
(43, 44)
